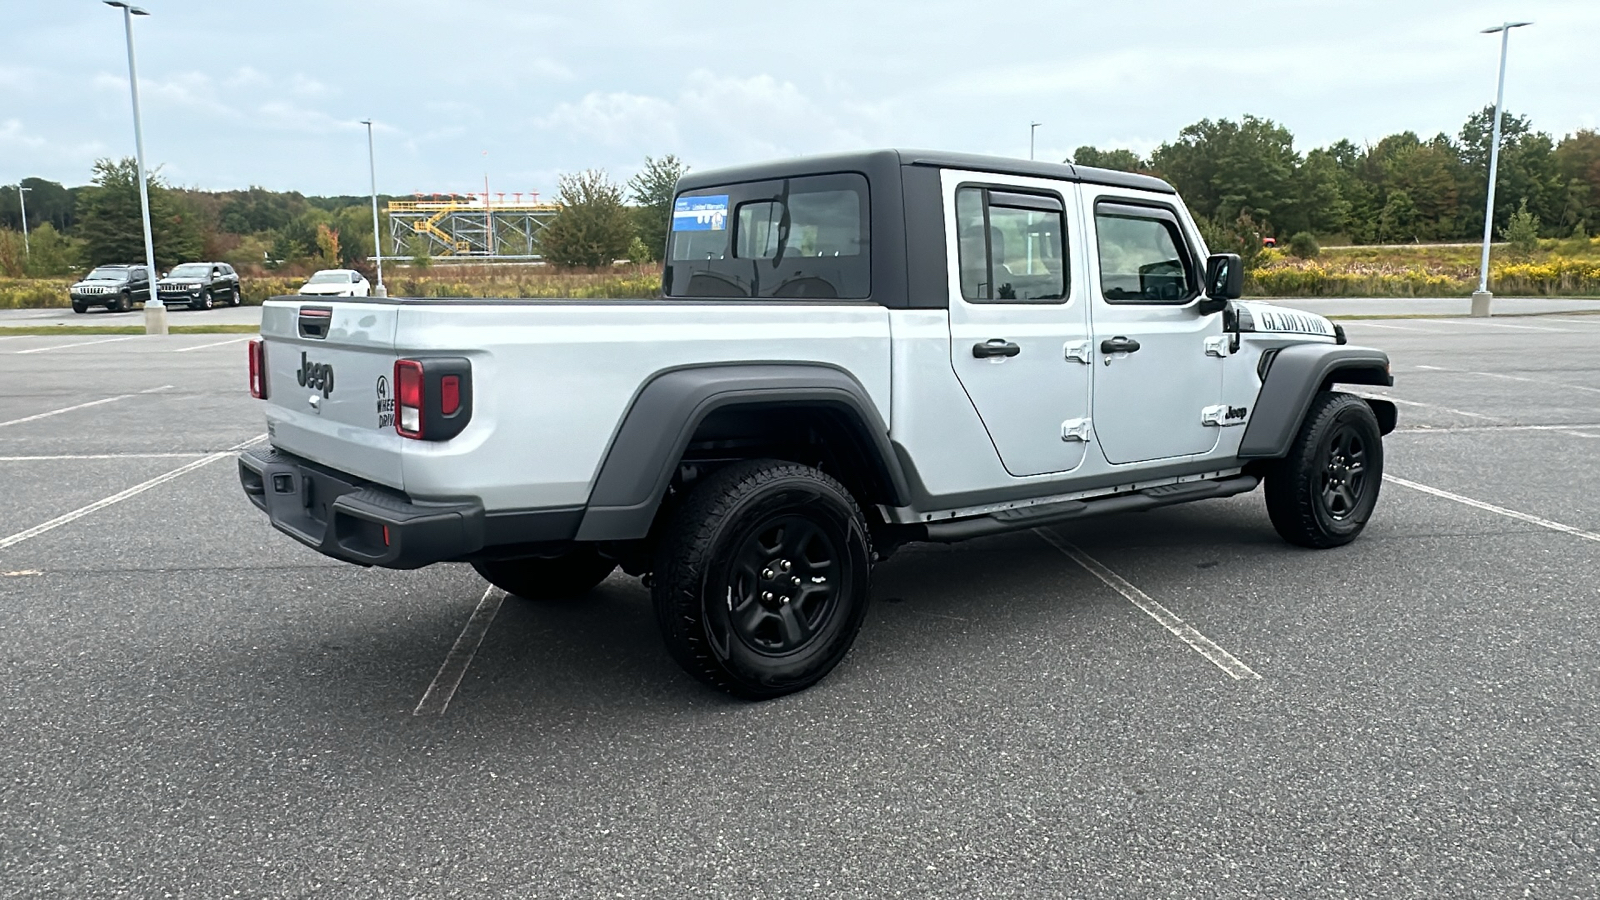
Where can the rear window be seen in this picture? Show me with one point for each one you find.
(798, 238)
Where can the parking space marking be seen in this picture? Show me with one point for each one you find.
(1560, 384)
(217, 344)
(443, 687)
(1370, 395)
(1498, 510)
(79, 344)
(1458, 429)
(120, 496)
(72, 456)
(1395, 327)
(65, 409)
(1185, 632)
(1506, 325)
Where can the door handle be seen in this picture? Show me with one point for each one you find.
(995, 347)
(1119, 344)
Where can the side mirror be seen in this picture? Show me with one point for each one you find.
(1224, 282)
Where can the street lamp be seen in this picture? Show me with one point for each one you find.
(377, 243)
(155, 315)
(1032, 127)
(1481, 298)
(26, 248)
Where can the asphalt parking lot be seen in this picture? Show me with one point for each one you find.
(194, 705)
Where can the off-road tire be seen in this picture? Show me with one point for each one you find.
(554, 578)
(1300, 485)
(707, 591)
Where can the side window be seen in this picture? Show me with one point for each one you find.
(1142, 256)
(1011, 246)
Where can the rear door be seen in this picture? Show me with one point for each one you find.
(1019, 326)
(329, 396)
(1161, 363)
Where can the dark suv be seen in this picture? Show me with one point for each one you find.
(200, 285)
(116, 288)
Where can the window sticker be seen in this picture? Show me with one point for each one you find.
(701, 213)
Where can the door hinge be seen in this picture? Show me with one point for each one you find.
(1081, 351)
(1223, 415)
(1076, 430)
(1217, 346)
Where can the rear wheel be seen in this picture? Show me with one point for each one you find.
(548, 578)
(1323, 492)
(761, 582)
(233, 296)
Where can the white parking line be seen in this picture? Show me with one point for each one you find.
(1185, 632)
(79, 344)
(217, 344)
(1458, 429)
(1504, 325)
(437, 698)
(70, 456)
(1370, 395)
(1560, 384)
(120, 496)
(1497, 510)
(64, 409)
(1376, 325)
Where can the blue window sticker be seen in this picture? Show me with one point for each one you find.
(700, 213)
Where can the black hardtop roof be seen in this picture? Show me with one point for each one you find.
(874, 160)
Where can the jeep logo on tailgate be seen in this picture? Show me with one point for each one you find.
(315, 375)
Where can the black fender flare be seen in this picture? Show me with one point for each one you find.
(1294, 376)
(655, 431)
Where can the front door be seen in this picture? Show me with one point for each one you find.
(1158, 381)
(1019, 330)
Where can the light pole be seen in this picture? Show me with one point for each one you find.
(26, 247)
(1032, 127)
(377, 243)
(1481, 297)
(155, 315)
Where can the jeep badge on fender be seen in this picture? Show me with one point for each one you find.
(317, 376)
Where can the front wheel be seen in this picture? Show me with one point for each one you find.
(761, 581)
(79, 308)
(1323, 492)
(206, 301)
(548, 578)
(123, 303)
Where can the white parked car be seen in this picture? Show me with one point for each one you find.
(337, 283)
(852, 353)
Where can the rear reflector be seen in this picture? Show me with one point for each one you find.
(450, 394)
(258, 369)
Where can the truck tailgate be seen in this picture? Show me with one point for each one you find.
(328, 394)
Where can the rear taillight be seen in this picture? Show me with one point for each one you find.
(258, 369)
(432, 397)
(408, 396)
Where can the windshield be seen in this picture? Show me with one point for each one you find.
(330, 276)
(192, 270)
(107, 275)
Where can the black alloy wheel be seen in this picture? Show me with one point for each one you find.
(761, 579)
(1323, 492)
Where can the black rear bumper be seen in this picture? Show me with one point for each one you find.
(354, 521)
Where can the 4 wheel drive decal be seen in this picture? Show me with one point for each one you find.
(385, 403)
(314, 375)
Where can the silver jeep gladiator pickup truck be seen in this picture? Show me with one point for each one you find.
(850, 353)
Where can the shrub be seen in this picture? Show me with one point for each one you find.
(1522, 232)
(1304, 245)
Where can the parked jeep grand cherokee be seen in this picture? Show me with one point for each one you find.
(200, 285)
(116, 288)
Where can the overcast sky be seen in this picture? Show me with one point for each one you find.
(238, 93)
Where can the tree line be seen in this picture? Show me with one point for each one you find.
(1247, 176)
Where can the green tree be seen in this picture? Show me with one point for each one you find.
(593, 228)
(110, 222)
(1430, 176)
(652, 191)
(53, 254)
(47, 201)
(1119, 160)
(1224, 168)
(1397, 221)
(1522, 231)
(259, 209)
(1241, 235)
(1529, 168)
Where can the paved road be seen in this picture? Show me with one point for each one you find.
(231, 315)
(195, 705)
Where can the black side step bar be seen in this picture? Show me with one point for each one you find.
(1051, 513)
